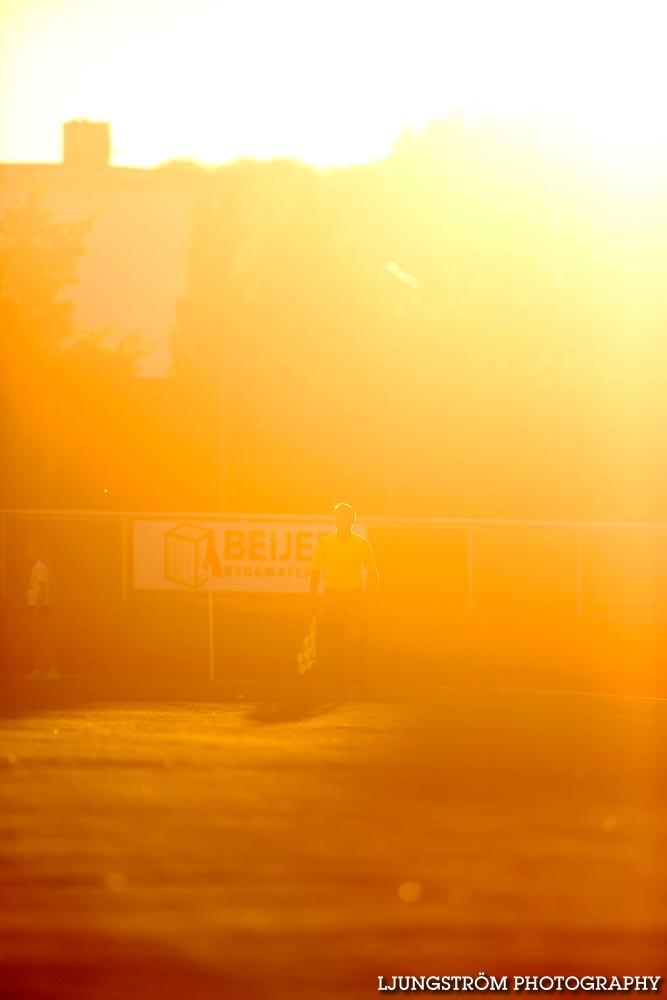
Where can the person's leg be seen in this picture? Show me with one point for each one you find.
(356, 639)
(33, 640)
(331, 640)
(41, 658)
(46, 639)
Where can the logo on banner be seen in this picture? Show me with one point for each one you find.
(190, 555)
(253, 554)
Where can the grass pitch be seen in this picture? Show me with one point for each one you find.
(302, 848)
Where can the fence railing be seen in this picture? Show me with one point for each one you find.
(581, 565)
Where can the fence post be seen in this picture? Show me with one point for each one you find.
(470, 567)
(579, 573)
(126, 546)
(3, 578)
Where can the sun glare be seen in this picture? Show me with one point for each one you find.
(328, 83)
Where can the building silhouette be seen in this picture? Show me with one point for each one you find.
(86, 144)
(134, 267)
(129, 280)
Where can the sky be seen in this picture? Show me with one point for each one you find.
(326, 81)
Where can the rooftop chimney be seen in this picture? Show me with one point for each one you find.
(86, 144)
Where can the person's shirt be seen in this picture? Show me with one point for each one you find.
(342, 559)
(39, 577)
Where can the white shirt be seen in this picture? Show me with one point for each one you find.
(40, 575)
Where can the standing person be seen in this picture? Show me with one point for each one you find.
(342, 637)
(40, 589)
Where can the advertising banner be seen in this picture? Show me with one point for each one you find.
(262, 556)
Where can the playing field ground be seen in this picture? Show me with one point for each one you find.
(299, 847)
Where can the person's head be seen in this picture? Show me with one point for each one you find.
(344, 516)
(36, 550)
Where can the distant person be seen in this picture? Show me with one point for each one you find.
(40, 592)
(342, 555)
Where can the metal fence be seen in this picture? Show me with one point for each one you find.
(578, 567)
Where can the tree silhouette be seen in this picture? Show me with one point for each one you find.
(451, 320)
(46, 359)
(39, 259)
